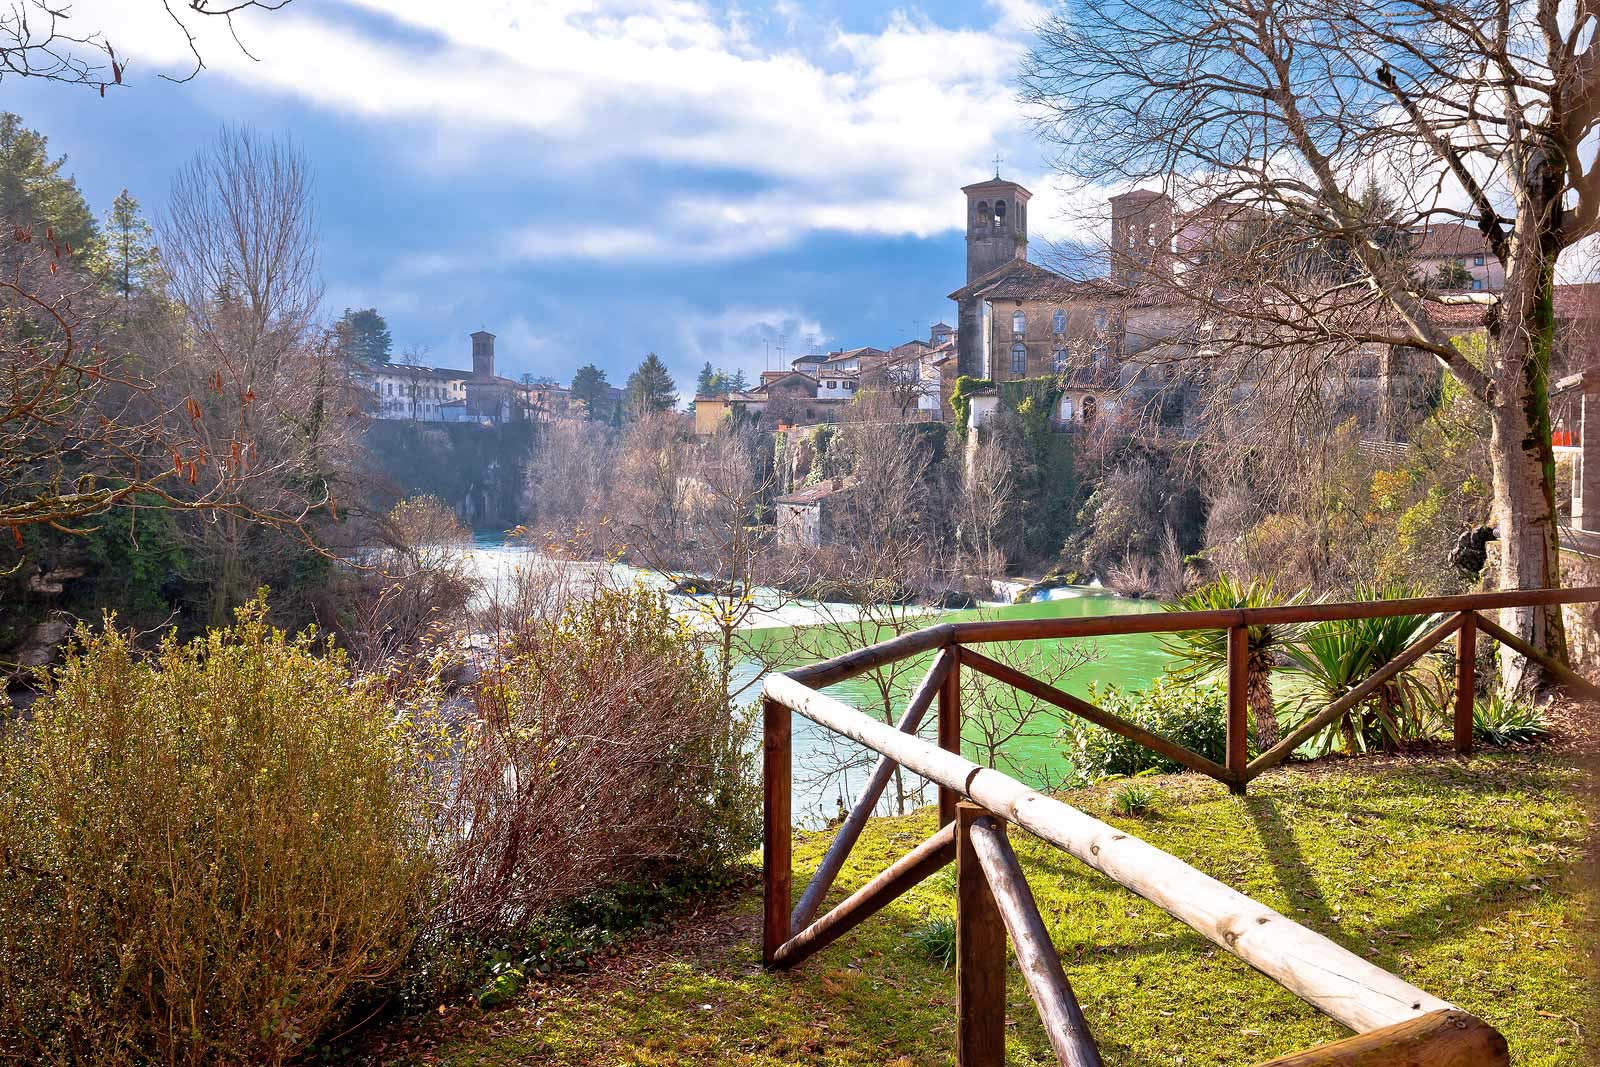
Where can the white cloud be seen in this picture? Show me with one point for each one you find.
(867, 133)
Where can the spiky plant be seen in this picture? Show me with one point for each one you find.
(1204, 653)
(1331, 658)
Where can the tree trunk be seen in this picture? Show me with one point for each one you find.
(1261, 703)
(1524, 460)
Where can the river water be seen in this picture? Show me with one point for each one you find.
(790, 633)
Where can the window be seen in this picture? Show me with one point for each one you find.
(1477, 283)
(832, 384)
(999, 211)
(1088, 410)
(1058, 359)
(1477, 260)
(1019, 360)
(850, 385)
(1058, 321)
(1066, 409)
(1101, 320)
(1019, 324)
(983, 212)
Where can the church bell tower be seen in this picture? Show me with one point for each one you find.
(997, 234)
(997, 225)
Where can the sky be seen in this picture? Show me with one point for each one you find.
(594, 179)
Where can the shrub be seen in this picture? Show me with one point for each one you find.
(1133, 800)
(1190, 714)
(1499, 722)
(935, 940)
(1331, 658)
(204, 852)
(602, 752)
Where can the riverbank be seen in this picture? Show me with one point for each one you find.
(1465, 879)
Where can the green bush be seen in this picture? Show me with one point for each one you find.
(1133, 800)
(1190, 714)
(1499, 722)
(203, 854)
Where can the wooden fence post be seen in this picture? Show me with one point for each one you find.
(1466, 680)
(777, 831)
(950, 729)
(980, 955)
(1238, 750)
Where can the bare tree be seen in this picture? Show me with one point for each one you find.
(266, 391)
(986, 497)
(1269, 119)
(42, 39)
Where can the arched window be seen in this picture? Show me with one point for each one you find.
(1058, 321)
(1066, 409)
(1019, 324)
(1088, 410)
(1019, 360)
(983, 212)
(1100, 320)
(999, 211)
(1058, 359)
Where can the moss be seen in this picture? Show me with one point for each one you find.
(1460, 878)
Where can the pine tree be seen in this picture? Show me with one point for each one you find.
(363, 335)
(34, 192)
(129, 258)
(706, 384)
(737, 383)
(650, 388)
(590, 388)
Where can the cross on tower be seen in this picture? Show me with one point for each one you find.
(998, 159)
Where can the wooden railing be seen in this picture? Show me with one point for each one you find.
(1394, 1021)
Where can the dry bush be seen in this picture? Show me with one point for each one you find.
(204, 854)
(417, 588)
(602, 753)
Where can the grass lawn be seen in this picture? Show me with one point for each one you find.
(1465, 879)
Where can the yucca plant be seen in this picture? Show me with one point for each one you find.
(1499, 722)
(1331, 658)
(1204, 653)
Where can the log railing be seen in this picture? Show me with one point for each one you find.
(1394, 1021)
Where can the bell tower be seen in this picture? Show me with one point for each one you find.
(483, 354)
(997, 225)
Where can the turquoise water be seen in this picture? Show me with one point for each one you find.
(802, 632)
(1034, 754)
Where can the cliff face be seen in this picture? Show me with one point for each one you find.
(478, 470)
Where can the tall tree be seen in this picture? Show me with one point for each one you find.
(650, 388)
(363, 336)
(590, 388)
(706, 383)
(34, 193)
(128, 248)
(1476, 111)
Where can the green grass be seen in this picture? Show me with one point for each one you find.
(1463, 879)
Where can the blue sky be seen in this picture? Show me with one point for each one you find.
(594, 179)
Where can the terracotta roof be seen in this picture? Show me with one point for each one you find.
(1021, 280)
(813, 493)
(1449, 239)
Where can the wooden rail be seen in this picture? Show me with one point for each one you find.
(1395, 1022)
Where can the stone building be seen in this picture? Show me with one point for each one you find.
(1016, 319)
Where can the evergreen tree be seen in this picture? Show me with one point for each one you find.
(590, 388)
(706, 384)
(128, 254)
(650, 388)
(737, 383)
(34, 192)
(363, 335)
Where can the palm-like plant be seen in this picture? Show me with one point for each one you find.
(1203, 653)
(1332, 658)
